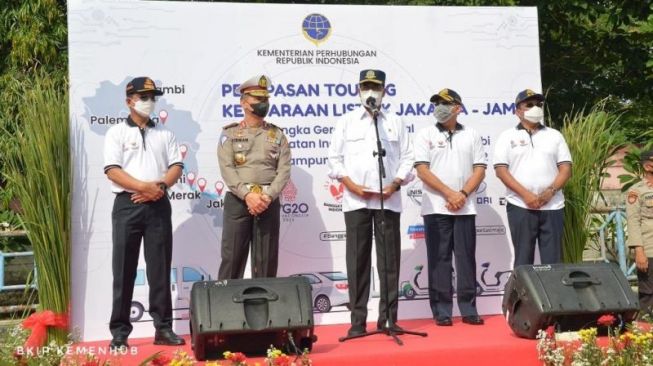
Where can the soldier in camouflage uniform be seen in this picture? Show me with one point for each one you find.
(254, 159)
(639, 210)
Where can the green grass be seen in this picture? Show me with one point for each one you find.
(39, 172)
(592, 138)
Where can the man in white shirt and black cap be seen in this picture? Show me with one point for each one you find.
(451, 162)
(352, 160)
(534, 163)
(142, 159)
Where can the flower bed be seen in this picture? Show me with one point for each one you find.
(632, 347)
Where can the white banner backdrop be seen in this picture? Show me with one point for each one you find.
(199, 53)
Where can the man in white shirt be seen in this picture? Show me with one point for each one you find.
(141, 159)
(451, 162)
(353, 160)
(534, 163)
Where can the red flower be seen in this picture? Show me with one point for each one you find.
(237, 357)
(626, 340)
(161, 360)
(606, 320)
(282, 360)
(550, 331)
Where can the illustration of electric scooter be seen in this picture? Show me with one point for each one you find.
(411, 288)
(496, 285)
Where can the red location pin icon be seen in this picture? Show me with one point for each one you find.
(163, 115)
(201, 183)
(183, 149)
(191, 178)
(219, 187)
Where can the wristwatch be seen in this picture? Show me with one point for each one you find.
(396, 185)
(163, 186)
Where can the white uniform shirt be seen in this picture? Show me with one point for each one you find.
(451, 158)
(533, 161)
(351, 155)
(145, 154)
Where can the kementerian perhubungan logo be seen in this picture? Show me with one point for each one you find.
(316, 28)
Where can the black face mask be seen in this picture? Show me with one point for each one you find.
(260, 109)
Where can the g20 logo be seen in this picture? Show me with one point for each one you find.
(294, 208)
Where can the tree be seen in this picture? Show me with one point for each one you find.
(33, 37)
(592, 50)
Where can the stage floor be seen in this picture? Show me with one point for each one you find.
(460, 345)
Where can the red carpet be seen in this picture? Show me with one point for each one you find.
(460, 345)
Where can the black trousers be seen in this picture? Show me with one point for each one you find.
(239, 229)
(446, 234)
(528, 226)
(132, 222)
(359, 225)
(645, 289)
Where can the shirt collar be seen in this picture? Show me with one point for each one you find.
(441, 128)
(538, 126)
(131, 123)
(363, 113)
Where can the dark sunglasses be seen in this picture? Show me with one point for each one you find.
(533, 104)
(146, 98)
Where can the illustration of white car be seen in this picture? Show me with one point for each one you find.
(181, 282)
(329, 289)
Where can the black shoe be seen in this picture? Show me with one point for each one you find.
(380, 325)
(118, 342)
(473, 320)
(166, 337)
(443, 321)
(355, 330)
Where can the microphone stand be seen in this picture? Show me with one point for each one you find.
(390, 329)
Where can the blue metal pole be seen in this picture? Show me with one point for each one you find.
(2, 270)
(621, 244)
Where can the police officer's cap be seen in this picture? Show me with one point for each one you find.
(528, 94)
(447, 95)
(372, 76)
(256, 86)
(142, 84)
(647, 156)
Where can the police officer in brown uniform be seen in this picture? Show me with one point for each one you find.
(254, 159)
(639, 211)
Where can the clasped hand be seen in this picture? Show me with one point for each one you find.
(455, 201)
(149, 192)
(257, 203)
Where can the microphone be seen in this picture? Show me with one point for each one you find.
(371, 104)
